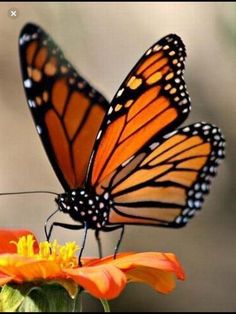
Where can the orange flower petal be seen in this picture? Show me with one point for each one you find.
(156, 269)
(107, 259)
(89, 260)
(6, 236)
(21, 268)
(4, 279)
(161, 281)
(162, 261)
(176, 265)
(105, 282)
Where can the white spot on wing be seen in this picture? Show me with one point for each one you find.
(198, 195)
(148, 52)
(110, 110)
(220, 152)
(185, 211)
(106, 196)
(99, 134)
(192, 212)
(28, 83)
(157, 48)
(197, 204)
(169, 134)
(120, 92)
(204, 187)
(35, 35)
(21, 41)
(39, 129)
(153, 146)
(187, 129)
(183, 102)
(178, 220)
(190, 203)
(31, 103)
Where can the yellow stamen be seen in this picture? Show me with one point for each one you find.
(25, 245)
(65, 255)
(44, 249)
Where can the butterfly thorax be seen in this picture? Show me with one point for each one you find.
(84, 206)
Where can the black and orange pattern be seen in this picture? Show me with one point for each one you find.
(152, 100)
(67, 111)
(123, 163)
(165, 185)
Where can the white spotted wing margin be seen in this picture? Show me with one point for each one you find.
(165, 184)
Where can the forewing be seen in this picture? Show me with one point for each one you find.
(67, 111)
(151, 101)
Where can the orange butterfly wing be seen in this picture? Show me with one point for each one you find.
(152, 100)
(166, 182)
(67, 111)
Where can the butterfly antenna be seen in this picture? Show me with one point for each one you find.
(28, 192)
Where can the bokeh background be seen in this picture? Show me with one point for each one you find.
(104, 41)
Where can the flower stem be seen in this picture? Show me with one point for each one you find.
(105, 305)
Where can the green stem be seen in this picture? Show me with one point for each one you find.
(78, 303)
(105, 305)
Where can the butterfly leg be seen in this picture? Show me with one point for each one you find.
(46, 224)
(99, 243)
(62, 225)
(108, 229)
(83, 243)
(119, 241)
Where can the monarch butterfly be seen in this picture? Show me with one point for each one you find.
(124, 162)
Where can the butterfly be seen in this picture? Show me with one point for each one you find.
(124, 162)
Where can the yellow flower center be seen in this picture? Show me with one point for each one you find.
(65, 255)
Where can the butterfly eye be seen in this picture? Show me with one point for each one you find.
(63, 202)
(63, 199)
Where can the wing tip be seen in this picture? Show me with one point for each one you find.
(29, 28)
(30, 31)
(176, 43)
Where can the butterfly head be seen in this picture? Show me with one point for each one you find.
(64, 202)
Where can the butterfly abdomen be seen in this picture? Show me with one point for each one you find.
(84, 206)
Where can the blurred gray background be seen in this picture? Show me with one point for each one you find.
(104, 41)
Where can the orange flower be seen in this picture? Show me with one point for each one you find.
(103, 278)
(7, 237)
